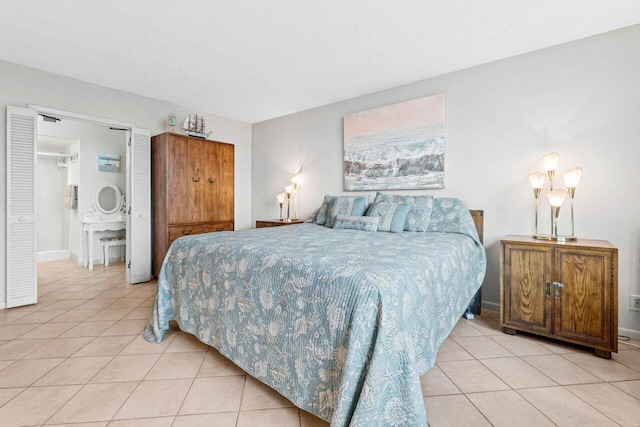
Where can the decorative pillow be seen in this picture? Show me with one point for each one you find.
(420, 213)
(322, 213)
(451, 215)
(354, 206)
(365, 223)
(392, 215)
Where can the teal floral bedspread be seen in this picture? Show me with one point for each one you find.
(340, 322)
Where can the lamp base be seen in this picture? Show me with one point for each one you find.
(551, 237)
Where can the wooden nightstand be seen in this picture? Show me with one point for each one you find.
(277, 222)
(566, 291)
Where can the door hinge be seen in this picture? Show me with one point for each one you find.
(129, 264)
(547, 291)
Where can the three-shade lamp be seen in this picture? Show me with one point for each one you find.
(556, 197)
(289, 193)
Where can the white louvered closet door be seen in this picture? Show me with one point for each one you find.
(22, 279)
(139, 206)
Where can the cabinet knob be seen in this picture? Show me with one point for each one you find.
(195, 179)
(211, 181)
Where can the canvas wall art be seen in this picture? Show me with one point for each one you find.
(108, 162)
(397, 147)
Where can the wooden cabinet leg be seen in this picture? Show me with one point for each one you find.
(509, 331)
(603, 353)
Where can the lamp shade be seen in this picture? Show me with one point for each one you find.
(288, 189)
(281, 197)
(550, 161)
(296, 179)
(556, 197)
(572, 177)
(536, 179)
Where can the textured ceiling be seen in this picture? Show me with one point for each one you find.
(253, 60)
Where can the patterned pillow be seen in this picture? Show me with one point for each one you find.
(451, 215)
(392, 215)
(322, 213)
(420, 213)
(354, 206)
(365, 223)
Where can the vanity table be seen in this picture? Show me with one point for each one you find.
(106, 212)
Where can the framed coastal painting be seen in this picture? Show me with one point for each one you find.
(108, 162)
(397, 147)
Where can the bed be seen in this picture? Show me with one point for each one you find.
(341, 322)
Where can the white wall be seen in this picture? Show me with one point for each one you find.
(581, 99)
(20, 86)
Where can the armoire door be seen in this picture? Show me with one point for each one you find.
(211, 196)
(177, 181)
(226, 182)
(195, 189)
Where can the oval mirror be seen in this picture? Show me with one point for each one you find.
(108, 198)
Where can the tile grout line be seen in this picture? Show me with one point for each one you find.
(244, 387)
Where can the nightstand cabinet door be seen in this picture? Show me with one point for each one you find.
(583, 305)
(527, 301)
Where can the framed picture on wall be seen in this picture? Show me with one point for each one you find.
(397, 147)
(108, 162)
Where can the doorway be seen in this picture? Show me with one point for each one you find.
(75, 162)
(22, 207)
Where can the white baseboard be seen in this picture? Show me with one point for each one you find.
(53, 255)
(491, 305)
(629, 333)
(77, 259)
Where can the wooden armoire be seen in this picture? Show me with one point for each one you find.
(192, 189)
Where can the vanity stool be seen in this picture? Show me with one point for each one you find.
(107, 242)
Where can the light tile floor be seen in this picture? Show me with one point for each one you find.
(77, 358)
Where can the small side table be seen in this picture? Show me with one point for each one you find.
(566, 291)
(277, 222)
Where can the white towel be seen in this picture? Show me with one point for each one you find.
(68, 197)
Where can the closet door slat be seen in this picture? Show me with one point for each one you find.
(22, 279)
(139, 212)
